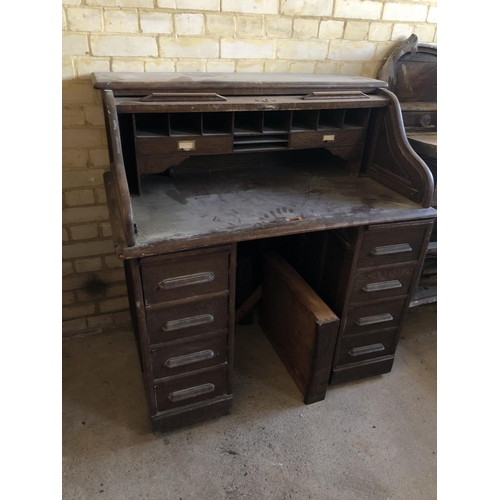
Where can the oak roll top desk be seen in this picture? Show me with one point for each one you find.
(318, 168)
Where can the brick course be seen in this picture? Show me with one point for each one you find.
(327, 36)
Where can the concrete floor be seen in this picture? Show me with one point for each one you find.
(373, 439)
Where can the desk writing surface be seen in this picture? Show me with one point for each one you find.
(204, 208)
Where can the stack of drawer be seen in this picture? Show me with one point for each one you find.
(385, 265)
(186, 302)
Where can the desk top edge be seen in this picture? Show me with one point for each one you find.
(235, 82)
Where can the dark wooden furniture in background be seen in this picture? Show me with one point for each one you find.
(411, 72)
(314, 167)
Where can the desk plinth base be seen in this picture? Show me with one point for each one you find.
(199, 412)
(356, 371)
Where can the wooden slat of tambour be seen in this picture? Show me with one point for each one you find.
(230, 83)
(247, 103)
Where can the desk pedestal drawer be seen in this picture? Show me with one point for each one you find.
(328, 138)
(356, 348)
(192, 413)
(184, 318)
(374, 317)
(356, 371)
(382, 282)
(387, 244)
(191, 388)
(193, 353)
(185, 274)
(193, 145)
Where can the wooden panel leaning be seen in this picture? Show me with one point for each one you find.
(299, 325)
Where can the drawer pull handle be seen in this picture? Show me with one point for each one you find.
(182, 96)
(336, 94)
(187, 359)
(382, 285)
(179, 324)
(192, 392)
(366, 349)
(371, 320)
(188, 279)
(390, 249)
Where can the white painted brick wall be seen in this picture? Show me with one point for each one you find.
(330, 29)
(84, 232)
(120, 45)
(404, 12)
(188, 47)
(220, 66)
(401, 31)
(166, 4)
(432, 15)
(358, 9)
(380, 32)
(301, 49)
(249, 26)
(356, 30)
(246, 49)
(74, 44)
(305, 28)
(189, 24)
(121, 3)
(76, 91)
(72, 116)
(223, 25)
(191, 66)
(167, 65)
(79, 197)
(86, 265)
(302, 67)
(85, 66)
(81, 19)
(251, 6)
(249, 66)
(307, 7)
(156, 22)
(197, 5)
(121, 21)
(129, 64)
(297, 36)
(352, 51)
(279, 27)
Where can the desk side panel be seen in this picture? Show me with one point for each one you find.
(395, 163)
